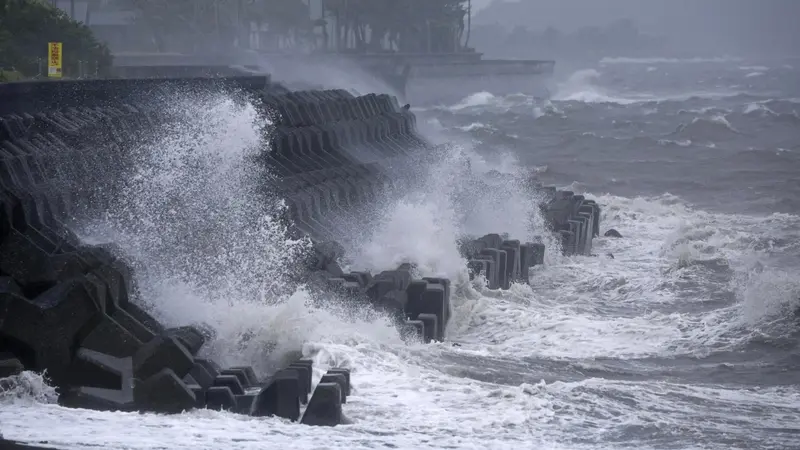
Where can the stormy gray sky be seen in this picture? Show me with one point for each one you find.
(721, 24)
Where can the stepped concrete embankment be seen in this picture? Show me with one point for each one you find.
(73, 310)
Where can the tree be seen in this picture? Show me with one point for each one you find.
(194, 25)
(178, 23)
(26, 26)
(288, 20)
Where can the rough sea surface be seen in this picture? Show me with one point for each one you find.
(686, 339)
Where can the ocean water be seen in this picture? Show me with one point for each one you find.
(686, 339)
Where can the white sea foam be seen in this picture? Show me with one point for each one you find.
(585, 86)
(566, 314)
(582, 86)
(475, 100)
(475, 126)
(199, 226)
(758, 108)
(754, 68)
(660, 60)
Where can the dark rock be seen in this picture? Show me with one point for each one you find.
(325, 407)
(612, 233)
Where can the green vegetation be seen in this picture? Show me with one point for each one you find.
(26, 26)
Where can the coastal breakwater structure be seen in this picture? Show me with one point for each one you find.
(74, 311)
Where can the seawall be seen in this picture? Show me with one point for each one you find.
(74, 311)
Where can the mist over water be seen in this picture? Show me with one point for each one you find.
(687, 338)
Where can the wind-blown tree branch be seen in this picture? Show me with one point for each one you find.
(26, 26)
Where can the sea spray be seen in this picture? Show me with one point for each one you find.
(461, 194)
(26, 387)
(199, 224)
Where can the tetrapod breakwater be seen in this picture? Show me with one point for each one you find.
(74, 311)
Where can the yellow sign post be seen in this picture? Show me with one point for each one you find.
(54, 59)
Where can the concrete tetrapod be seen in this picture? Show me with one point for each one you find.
(73, 310)
(68, 292)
